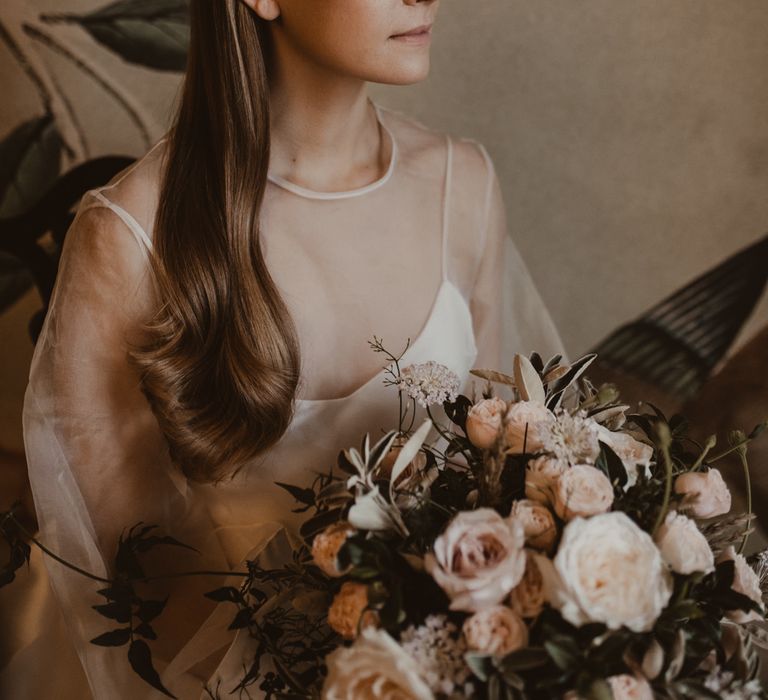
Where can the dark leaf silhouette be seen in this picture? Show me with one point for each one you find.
(140, 658)
(115, 638)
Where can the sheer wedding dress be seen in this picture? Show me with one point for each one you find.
(420, 253)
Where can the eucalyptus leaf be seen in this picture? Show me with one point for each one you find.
(527, 379)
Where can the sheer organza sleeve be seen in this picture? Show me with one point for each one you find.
(98, 462)
(509, 313)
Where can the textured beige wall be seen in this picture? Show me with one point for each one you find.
(630, 136)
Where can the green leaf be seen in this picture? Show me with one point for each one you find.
(562, 654)
(599, 690)
(151, 33)
(305, 496)
(140, 658)
(115, 638)
(150, 609)
(225, 594)
(480, 664)
(242, 619)
(523, 659)
(114, 611)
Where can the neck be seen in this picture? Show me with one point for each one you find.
(324, 131)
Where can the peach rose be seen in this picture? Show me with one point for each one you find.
(683, 546)
(538, 524)
(582, 490)
(347, 609)
(326, 547)
(375, 667)
(478, 559)
(526, 422)
(527, 598)
(496, 630)
(704, 492)
(484, 421)
(540, 477)
(746, 582)
(608, 570)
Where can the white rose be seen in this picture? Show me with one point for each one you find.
(582, 490)
(608, 570)
(526, 423)
(540, 477)
(746, 582)
(527, 598)
(478, 559)
(704, 492)
(484, 421)
(495, 630)
(538, 524)
(626, 687)
(634, 455)
(375, 667)
(683, 546)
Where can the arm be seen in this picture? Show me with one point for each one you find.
(509, 313)
(97, 460)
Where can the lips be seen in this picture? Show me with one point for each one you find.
(424, 28)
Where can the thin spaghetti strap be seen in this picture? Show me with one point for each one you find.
(135, 228)
(446, 199)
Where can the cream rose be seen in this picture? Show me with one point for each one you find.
(347, 609)
(582, 490)
(540, 477)
(626, 687)
(683, 546)
(375, 667)
(484, 421)
(478, 559)
(746, 582)
(326, 547)
(527, 598)
(496, 630)
(704, 492)
(538, 524)
(526, 423)
(608, 570)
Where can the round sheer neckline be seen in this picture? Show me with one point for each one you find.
(339, 194)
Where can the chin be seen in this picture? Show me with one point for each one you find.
(406, 74)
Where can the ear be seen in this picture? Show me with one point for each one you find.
(266, 9)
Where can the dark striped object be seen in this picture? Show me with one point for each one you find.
(676, 344)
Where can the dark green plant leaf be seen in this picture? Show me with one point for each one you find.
(225, 594)
(30, 163)
(242, 619)
(140, 658)
(151, 33)
(146, 631)
(115, 638)
(114, 611)
(150, 609)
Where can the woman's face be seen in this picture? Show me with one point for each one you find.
(354, 37)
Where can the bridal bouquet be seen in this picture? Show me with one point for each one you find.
(548, 543)
(557, 546)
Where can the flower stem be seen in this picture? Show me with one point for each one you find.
(748, 483)
(664, 439)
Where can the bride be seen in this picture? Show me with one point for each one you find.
(208, 334)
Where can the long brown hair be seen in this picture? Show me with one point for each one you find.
(220, 363)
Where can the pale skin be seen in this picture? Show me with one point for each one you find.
(324, 134)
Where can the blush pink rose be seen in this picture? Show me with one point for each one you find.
(496, 630)
(538, 524)
(540, 477)
(526, 423)
(478, 559)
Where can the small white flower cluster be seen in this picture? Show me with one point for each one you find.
(722, 683)
(572, 438)
(439, 650)
(429, 383)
